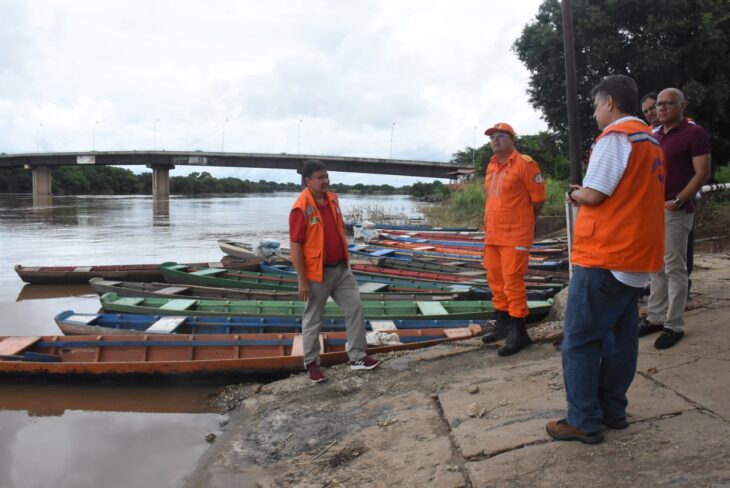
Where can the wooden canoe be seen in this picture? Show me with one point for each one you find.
(283, 277)
(56, 275)
(166, 290)
(73, 323)
(385, 310)
(420, 228)
(468, 245)
(61, 275)
(241, 250)
(206, 356)
(426, 252)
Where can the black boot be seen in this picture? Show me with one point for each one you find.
(517, 338)
(500, 329)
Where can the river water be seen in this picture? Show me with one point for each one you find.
(71, 435)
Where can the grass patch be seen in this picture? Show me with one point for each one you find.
(465, 208)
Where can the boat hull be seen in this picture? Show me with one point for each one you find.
(207, 357)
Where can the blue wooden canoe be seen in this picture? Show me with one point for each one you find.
(74, 323)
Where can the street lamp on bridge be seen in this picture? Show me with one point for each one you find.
(93, 135)
(392, 128)
(38, 138)
(223, 135)
(154, 135)
(299, 133)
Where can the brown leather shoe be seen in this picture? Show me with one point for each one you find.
(561, 430)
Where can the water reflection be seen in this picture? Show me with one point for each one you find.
(102, 449)
(53, 399)
(161, 212)
(34, 292)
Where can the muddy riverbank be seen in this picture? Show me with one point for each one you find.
(458, 415)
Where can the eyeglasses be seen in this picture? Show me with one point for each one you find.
(667, 104)
(498, 135)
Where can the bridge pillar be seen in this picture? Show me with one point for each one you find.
(41, 180)
(161, 179)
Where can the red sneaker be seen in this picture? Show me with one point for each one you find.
(365, 363)
(315, 375)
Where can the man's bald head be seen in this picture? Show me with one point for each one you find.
(675, 93)
(670, 105)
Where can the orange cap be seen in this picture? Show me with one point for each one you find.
(500, 127)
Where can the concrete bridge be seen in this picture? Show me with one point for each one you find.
(161, 162)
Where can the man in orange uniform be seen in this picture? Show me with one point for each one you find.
(515, 195)
(618, 240)
(319, 254)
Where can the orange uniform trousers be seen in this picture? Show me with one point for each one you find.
(506, 269)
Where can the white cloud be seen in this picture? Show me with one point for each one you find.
(81, 72)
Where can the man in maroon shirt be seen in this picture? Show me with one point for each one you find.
(687, 151)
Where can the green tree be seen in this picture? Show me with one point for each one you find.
(70, 180)
(544, 147)
(15, 180)
(676, 43)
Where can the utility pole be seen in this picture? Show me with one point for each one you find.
(571, 93)
(473, 145)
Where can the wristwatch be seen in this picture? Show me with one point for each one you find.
(570, 195)
(678, 203)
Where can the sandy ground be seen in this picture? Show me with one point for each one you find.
(458, 415)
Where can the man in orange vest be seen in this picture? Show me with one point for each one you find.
(618, 241)
(515, 195)
(319, 254)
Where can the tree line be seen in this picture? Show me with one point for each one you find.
(674, 43)
(109, 180)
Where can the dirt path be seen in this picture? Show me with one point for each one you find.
(458, 415)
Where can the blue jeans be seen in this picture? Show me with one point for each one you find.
(600, 346)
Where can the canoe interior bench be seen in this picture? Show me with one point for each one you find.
(166, 325)
(15, 345)
(381, 325)
(131, 301)
(382, 252)
(172, 290)
(208, 272)
(431, 308)
(371, 287)
(179, 304)
(82, 319)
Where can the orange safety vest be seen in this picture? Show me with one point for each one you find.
(625, 232)
(511, 189)
(313, 246)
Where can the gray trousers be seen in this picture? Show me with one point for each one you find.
(338, 283)
(669, 286)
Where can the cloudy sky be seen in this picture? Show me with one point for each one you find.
(314, 77)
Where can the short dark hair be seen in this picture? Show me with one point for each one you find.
(311, 166)
(646, 97)
(622, 89)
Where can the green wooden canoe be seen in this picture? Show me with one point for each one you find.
(233, 278)
(396, 309)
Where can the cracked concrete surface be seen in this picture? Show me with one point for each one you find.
(458, 415)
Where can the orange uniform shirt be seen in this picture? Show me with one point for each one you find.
(512, 188)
